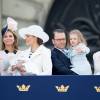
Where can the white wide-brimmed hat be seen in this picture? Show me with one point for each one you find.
(34, 30)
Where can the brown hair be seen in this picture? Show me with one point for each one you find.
(15, 44)
(58, 31)
(39, 41)
(79, 34)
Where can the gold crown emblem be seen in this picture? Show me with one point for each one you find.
(62, 88)
(23, 87)
(97, 88)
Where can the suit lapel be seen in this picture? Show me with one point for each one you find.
(59, 52)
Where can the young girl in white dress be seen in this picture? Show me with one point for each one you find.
(77, 53)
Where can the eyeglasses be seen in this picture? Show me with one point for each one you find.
(63, 39)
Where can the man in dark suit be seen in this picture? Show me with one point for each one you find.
(60, 61)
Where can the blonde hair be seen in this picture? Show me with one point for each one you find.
(79, 34)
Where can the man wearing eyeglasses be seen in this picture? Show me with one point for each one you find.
(60, 61)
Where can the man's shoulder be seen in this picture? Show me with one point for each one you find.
(56, 52)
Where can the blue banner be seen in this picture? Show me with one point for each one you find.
(50, 88)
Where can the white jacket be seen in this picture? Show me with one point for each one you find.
(39, 62)
(96, 59)
(80, 64)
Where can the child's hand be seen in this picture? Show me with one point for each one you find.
(79, 50)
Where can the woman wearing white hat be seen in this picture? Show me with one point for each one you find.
(37, 59)
(9, 44)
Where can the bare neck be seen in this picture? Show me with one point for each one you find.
(34, 47)
(9, 48)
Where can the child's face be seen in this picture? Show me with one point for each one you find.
(74, 40)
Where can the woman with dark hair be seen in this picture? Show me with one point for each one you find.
(9, 42)
(37, 59)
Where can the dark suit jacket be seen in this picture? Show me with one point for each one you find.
(61, 64)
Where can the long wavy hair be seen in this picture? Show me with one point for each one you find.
(15, 44)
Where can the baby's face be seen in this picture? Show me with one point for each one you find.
(74, 40)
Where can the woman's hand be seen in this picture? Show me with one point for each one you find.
(14, 67)
(18, 67)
